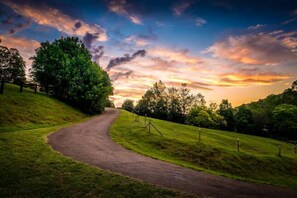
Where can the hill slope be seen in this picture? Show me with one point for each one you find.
(27, 110)
(257, 160)
(30, 168)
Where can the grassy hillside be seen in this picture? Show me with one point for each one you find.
(27, 110)
(257, 160)
(30, 168)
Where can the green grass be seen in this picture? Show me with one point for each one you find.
(27, 110)
(257, 161)
(30, 168)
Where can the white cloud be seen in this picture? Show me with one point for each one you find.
(200, 21)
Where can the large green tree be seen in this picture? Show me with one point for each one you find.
(65, 69)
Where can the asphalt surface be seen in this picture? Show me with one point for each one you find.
(89, 142)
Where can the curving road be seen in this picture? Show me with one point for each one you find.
(89, 142)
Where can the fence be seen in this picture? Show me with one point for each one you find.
(22, 85)
(150, 125)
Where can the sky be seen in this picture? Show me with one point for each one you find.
(225, 49)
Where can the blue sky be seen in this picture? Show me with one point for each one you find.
(240, 50)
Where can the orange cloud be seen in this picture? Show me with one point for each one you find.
(54, 18)
(174, 55)
(241, 79)
(258, 49)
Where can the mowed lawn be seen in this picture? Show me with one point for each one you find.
(30, 168)
(257, 161)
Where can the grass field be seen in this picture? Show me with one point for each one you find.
(257, 161)
(30, 168)
(27, 110)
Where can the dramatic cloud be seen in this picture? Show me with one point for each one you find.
(89, 38)
(97, 53)
(257, 49)
(120, 60)
(121, 7)
(179, 7)
(54, 18)
(200, 22)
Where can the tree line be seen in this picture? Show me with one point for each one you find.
(274, 116)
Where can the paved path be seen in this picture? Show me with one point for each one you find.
(89, 142)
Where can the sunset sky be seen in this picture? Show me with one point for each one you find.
(224, 49)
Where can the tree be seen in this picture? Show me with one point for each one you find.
(225, 110)
(294, 86)
(128, 105)
(109, 103)
(200, 117)
(145, 106)
(244, 120)
(159, 100)
(285, 120)
(12, 65)
(175, 112)
(65, 69)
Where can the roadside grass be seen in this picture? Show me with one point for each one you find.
(27, 110)
(257, 161)
(30, 168)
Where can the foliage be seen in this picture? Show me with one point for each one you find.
(65, 69)
(270, 114)
(225, 110)
(179, 105)
(200, 117)
(257, 161)
(128, 105)
(109, 103)
(12, 65)
(285, 119)
(244, 120)
(168, 103)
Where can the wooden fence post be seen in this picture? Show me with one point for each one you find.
(2, 87)
(21, 87)
(145, 119)
(35, 87)
(149, 125)
(199, 130)
(237, 144)
(279, 150)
